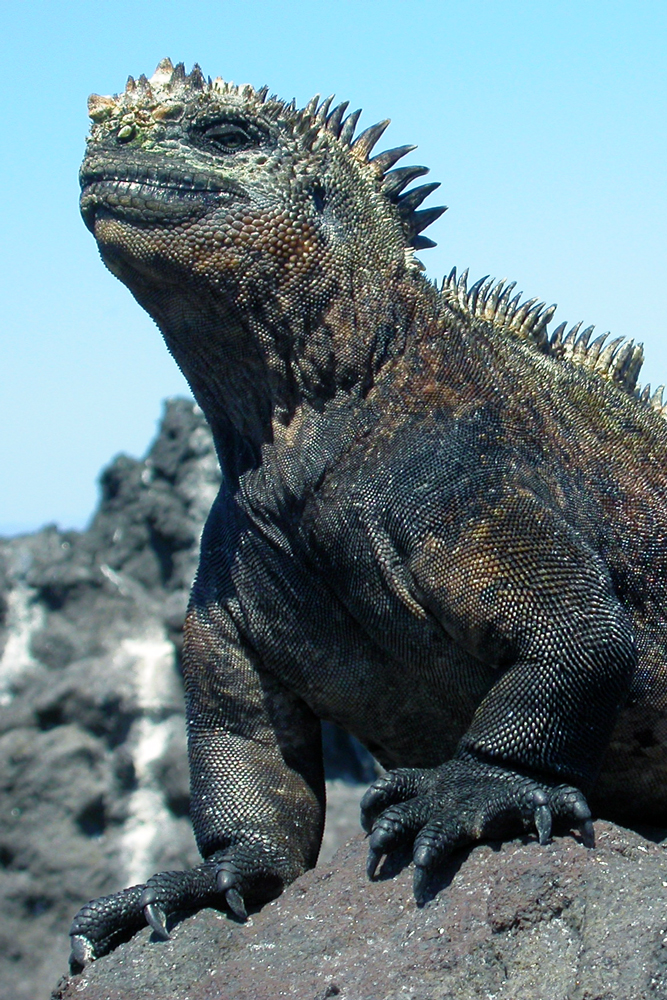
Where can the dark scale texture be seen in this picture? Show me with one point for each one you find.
(439, 527)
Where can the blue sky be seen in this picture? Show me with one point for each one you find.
(545, 123)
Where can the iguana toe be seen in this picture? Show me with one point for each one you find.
(395, 786)
(570, 805)
(396, 827)
(102, 924)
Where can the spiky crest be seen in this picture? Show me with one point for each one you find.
(618, 361)
(151, 100)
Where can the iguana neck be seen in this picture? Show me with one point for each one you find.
(251, 366)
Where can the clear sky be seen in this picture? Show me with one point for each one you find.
(545, 123)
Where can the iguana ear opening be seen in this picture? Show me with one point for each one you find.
(319, 196)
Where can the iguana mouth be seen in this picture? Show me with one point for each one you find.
(154, 199)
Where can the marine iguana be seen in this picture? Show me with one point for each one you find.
(440, 526)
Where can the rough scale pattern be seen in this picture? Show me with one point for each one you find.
(440, 525)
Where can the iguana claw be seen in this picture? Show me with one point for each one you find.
(587, 833)
(228, 879)
(374, 857)
(156, 919)
(543, 823)
(234, 901)
(419, 883)
(82, 952)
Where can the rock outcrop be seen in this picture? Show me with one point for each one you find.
(511, 921)
(93, 771)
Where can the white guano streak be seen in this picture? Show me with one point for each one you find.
(24, 617)
(153, 667)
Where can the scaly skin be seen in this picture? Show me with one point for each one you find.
(439, 526)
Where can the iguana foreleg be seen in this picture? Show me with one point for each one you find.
(524, 590)
(247, 733)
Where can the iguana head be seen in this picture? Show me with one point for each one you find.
(274, 225)
(266, 177)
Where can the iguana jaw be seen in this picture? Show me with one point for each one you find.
(158, 197)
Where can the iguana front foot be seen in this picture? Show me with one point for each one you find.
(227, 878)
(459, 802)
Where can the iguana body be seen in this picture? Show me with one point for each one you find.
(439, 527)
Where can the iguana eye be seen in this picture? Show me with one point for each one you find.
(228, 136)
